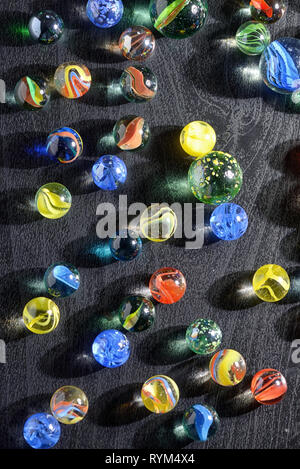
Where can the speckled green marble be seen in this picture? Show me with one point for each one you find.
(216, 178)
(203, 336)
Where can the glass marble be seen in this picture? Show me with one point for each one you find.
(252, 38)
(32, 93)
(53, 200)
(69, 405)
(271, 283)
(137, 43)
(72, 80)
(203, 336)
(46, 27)
(198, 138)
(61, 280)
(126, 245)
(216, 178)
(200, 422)
(229, 221)
(178, 19)
(167, 285)
(160, 394)
(268, 386)
(111, 348)
(65, 145)
(41, 315)
(138, 84)
(105, 13)
(227, 367)
(41, 431)
(131, 132)
(280, 65)
(268, 11)
(158, 223)
(136, 313)
(109, 172)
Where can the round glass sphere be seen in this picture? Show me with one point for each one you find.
(109, 172)
(61, 280)
(41, 431)
(280, 65)
(198, 138)
(227, 367)
(268, 11)
(136, 313)
(32, 93)
(158, 223)
(271, 283)
(126, 245)
(229, 221)
(178, 19)
(203, 336)
(138, 84)
(72, 80)
(53, 200)
(131, 132)
(167, 285)
(111, 348)
(268, 386)
(137, 43)
(105, 13)
(69, 405)
(65, 145)
(46, 27)
(200, 422)
(160, 394)
(41, 315)
(252, 38)
(216, 178)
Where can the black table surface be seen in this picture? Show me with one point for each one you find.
(202, 78)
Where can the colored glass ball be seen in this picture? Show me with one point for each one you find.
(160, 394)
(41, 315)
(158, 223)
(111, 348)
(105, 13)
(53, 200)
(200, 422)
(137, 43)
(46, 27)
(41, 431)
(203, 336)
(268, 386)
(136, 313)
(126, 245)
(252, 38)
(198, 138)
(65, 145)
(271, 283)
(69, 405)
(229, 221)
(167, 285)
(61, 280)
(227, 367)
(109, 172)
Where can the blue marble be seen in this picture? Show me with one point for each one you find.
(105, 13)
(41, 431)
(111, 348)
(200, 422)
(126, 245)
(61, 280)
(109, 172)
(65, 145)
(229, 221)
(280, 65)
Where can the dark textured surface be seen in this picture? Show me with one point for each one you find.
(204, 78)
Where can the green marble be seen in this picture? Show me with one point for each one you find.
(136, 313)
(216, 178)
(203, 336)
(252, 38)
(178, 19)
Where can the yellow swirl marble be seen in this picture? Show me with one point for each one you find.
(158, 223)
(160, 394)
(53, 200)
(271, 283)
(41, 315)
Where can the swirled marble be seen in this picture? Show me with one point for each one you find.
(32, 93)
(65, 145)
(227, 367)
(137, 43)
(160, 394)
(69, 405)
(158, 223)
(138, 84)
(41, 315)
(252, 38)
(167, 285)
(53, 200)
(41, 431)
(72, 80)
(61, 280)
(200, 422)
(268, 386)
(271, 283)
(131, 132)
(111, 348)
(136, 313)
